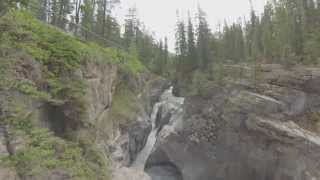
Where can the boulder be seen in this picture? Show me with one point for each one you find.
(130, 173)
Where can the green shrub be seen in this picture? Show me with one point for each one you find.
(42, 151)
(32, 90)
(52, 47)
(124, 105)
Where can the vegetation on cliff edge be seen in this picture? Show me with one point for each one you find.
(26, 42)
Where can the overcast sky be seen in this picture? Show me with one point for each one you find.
(160, 15)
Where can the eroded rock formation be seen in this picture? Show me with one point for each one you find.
(239, 131)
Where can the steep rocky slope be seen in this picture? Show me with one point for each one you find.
(246, 129)
(66, 107)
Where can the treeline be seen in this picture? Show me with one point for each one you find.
(287, 32)
(137, 40)
(93, 20)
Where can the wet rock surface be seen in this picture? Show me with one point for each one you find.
(241, 132)
(125, 173)
(138, 137)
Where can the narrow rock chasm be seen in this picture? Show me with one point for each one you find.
(165, 110)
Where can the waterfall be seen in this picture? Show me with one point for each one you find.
(146, 151)
(169, 103)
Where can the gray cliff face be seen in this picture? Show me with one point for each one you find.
(238, 132)
(138, 135)
(100, 79)
(97, 126)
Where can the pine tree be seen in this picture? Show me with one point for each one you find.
(146, 47)
(112, 30)
(267, 32)
(39, 8)
(105, 22)
(312, 32)
(159, 69)
(203, 40)
(60, 9)
(130, 27)
(192, 52)
(77, 17)
(181, 49)
(87, 19)
(7, 4)
(166, 54)
(233, 42)
(181, 41)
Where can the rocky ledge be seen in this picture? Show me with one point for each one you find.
(246, 131)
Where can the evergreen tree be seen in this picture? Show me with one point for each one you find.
(39, 8)
(77, 17)
(7, 4)
(130, 27)
(267, 32)
(192, 52)
(233, 42)
(146, 47)
(181, 41)
(251, 36)
(159, 64)
(87, 19)
(60, 9)
(203, 40)
(166, 54)
(105, 22)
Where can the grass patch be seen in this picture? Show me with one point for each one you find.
(58, 52)
(44, 152)
(124, 105)
(55, 48)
